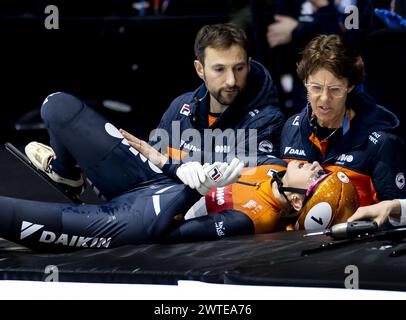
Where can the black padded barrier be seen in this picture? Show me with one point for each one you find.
(271, 259)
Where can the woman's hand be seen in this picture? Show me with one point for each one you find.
(378, 212)
(145, 149)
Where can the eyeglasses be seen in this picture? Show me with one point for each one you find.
(335, 91)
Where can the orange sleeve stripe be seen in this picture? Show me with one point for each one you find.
(175, 154)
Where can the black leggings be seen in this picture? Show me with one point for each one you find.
(145, 215)
(79, 135)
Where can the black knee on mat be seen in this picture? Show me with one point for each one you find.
(60, 107)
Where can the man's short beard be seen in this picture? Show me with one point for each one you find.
(217, 96)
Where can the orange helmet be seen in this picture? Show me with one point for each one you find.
(333, 201)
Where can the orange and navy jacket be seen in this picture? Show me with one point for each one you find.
(252, 196)
(256, 109)
(370, 152)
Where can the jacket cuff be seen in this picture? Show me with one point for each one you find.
(402, 211)
(170, 169)
(402, 220)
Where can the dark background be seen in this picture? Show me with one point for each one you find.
(102, 50)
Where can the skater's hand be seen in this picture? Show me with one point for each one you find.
(145, 149)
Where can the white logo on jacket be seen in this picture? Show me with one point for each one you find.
(271, 172)
(345, 158)
(189, 146)
(400, 180)
(298, 152)
(220, 196)
(374, 137)
(185, 110)
(253, 113)
(222, 149)
(220, 228)
(253, 206)
(265, 146)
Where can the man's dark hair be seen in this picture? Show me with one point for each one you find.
(219, 36)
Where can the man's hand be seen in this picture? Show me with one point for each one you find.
(280, 32)
(145, 149)
(378, 212)
(192, 174)
(220, 174)
(207, 176)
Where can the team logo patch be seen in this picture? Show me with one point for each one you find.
(400, 180)
(298, 152)
(215, 174)
(185, 110)
(220, 229)
(265, 146)
(271, 172)
(343, 177)
(345, 158)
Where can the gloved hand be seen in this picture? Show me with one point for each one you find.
(191, 174)
(391, 19)
(204, 177)
(220, 174)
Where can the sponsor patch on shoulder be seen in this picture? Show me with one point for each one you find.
(296, 121)
(265, 146)
(400, 180)
(185, 109)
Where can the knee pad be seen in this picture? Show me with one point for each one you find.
(60, 107)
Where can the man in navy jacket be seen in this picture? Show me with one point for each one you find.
(235, 112)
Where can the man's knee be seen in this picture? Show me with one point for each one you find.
(60, 107)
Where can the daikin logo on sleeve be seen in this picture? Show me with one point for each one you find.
(297, 152)
(29, 228)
